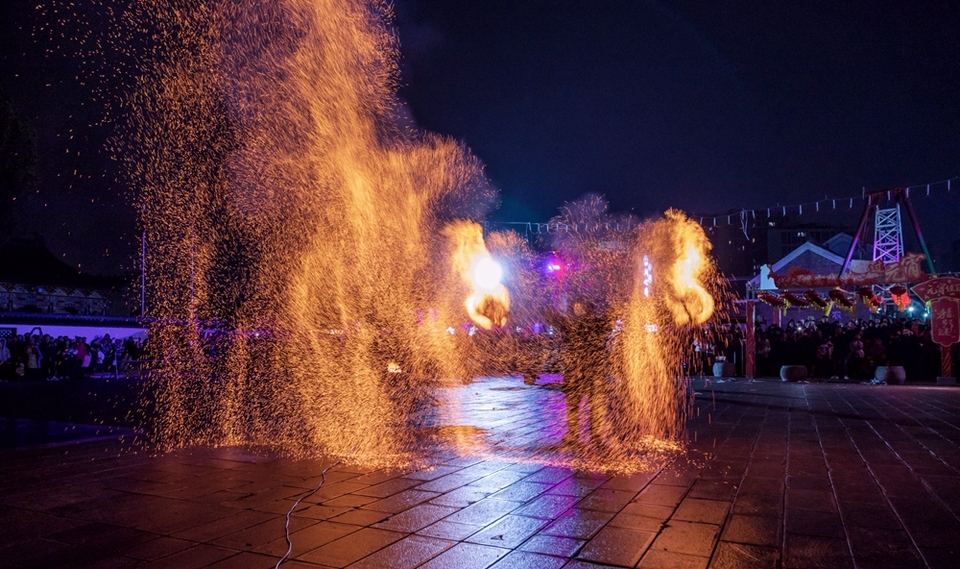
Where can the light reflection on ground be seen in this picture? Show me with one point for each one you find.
(501, 418)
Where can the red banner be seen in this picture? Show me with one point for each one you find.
(907, 270)
(940, 287)
(945, 321)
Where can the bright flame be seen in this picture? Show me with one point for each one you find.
(486, 275)
(688, 300)
(489, 301)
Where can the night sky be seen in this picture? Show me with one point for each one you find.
(704, 106)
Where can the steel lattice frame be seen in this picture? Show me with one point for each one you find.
(888, 240)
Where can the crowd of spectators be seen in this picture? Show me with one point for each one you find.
(832, 350)
(37, 357)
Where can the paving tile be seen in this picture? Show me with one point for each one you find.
(752, 530)
(820, 500)
(509, 531)
(350, 501)
(941, 558)
(416, 518)
(801, 551)
(306, 539)
(713, 489)
(648, 510)
(632, 521)
(548, 506)
(578, 564)
(498, 480)
(156, 548)
(813, 522)
(209, 531)
(361, 518)
(606, 500)
(409, 552)
(553, 545)
(688, 538)
(352, 547)
(450, 481)
(461, 497)
(875, 545)
(616, 546)
(245, 560)
(522, 491)
(550, 474)
(576, 523)
(669, 560)
(637, 482)
(702, 511)
(388, 487)
(528, 560)
(255, 536)
(758, 505)
(760, 485)
(466, 556)
(483, 512)
(193, 558)
(432, 473)
(320, 512)
(661, 495)
(449, 530)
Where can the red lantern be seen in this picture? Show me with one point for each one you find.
(841, 299)
(900, 297)
(771, 299)
(868, 298)
(815, 299)
(793, 299)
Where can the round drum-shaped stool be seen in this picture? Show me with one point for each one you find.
(893, 375)
(793, 373)
(724, 369)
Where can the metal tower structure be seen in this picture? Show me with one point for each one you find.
(888, 244)
(888, 237)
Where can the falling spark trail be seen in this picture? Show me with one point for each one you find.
(309, 250)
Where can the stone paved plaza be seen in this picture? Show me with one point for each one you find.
(775, 475)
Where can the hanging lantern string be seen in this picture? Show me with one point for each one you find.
(829, 203)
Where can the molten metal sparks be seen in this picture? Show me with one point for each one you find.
(489, 301)
(306, 285)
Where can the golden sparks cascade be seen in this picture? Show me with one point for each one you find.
(285, 198)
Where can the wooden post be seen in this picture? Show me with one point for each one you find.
(946, 364)
(750, 361)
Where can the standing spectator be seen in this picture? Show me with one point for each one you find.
(32, 361)
(857, 359)
(824, 364)
(5, 360)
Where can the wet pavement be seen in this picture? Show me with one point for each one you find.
(775, 475)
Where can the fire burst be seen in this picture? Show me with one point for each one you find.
(300, 246)
(489, 301)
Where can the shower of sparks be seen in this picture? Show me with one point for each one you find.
(311, 275)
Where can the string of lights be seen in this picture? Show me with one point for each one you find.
(742, 216)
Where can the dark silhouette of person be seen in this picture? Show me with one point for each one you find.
(583, 359)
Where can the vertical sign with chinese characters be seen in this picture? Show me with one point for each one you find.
(943, 294)
(945, 321)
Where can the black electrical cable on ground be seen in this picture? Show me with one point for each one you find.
(286, 525)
